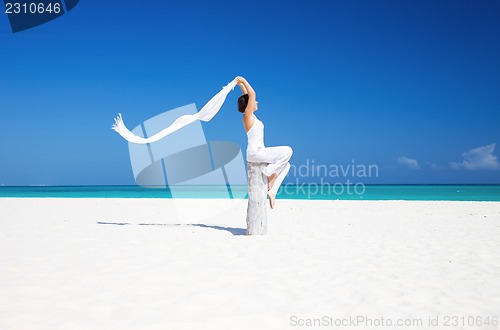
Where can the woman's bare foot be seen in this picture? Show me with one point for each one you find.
(270, 180)
(272, 199)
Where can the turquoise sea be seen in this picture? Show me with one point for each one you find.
(314, 192)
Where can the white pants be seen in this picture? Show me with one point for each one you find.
(277, 157)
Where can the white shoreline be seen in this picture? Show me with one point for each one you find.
(129, 263)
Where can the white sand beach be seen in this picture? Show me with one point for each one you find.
(132, 264)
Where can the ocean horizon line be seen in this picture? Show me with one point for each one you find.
(288, 184)
(452, 192)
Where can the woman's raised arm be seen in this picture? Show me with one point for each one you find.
(248, 89)
(252, 102)
(242, 87)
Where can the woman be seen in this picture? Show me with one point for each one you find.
(277, 157)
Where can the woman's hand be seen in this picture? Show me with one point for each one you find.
(240, 80)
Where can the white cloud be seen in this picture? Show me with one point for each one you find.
(480, 158)
(408, 162)
(436, 167)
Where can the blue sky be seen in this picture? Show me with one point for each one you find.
(411, 86)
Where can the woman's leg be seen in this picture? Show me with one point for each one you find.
(278, 158)
(279, 179)
(270, 180)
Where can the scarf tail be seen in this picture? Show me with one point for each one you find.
(206, 113)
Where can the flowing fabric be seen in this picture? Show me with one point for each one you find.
(206, 113)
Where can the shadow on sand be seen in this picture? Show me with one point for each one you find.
(232, 230)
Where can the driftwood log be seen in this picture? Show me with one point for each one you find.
(257, 199)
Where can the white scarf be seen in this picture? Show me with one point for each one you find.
(206, 113)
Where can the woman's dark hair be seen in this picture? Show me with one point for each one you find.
(242, 103)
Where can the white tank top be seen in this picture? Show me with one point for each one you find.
(256, 135)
